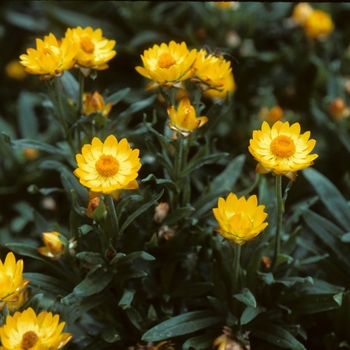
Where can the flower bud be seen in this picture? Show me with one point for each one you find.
(161, 212)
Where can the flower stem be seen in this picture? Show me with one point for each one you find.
(279, 215)
(113, 234)
(81, 92)
(237, 271)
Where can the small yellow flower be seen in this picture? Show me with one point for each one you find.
(161, 211)
(15, 70)
(11, 279)
(272, 115)
(94, 51)
(318, 25)
(109, 166)
(184, 120)
(29, 331)
(240, 220)
(50, 58)
(301, 12)
(214, 73)
(167, 65)
(282, 149)
(54, 247)
(95, 103)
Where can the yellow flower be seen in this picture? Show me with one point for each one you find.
(29, 331)
(50, 58)
(109, 166)
(318, 25)
(240, 220)
(338, 108)
(54, 247)
(226, 5)
(301, 12)
(227, 341)
(94, 51)
(94, 102)
(214, 73)
(166, 64)
(15, 305)
(184, 120)
(282, 149)
(11, 279)
(15, 70)
(272, 115)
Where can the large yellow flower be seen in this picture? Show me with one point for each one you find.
(50, 58)
(109, 166)
(318, 25)
(28, 331)
(282, 149)
(240, 220)
(166, 64)
(184, 120)
(94, 51)
(11, 279)
(214, 73)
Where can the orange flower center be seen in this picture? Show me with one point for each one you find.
(282, 146)
(165, 60)
(29, 339)
(87, 45)
(107, 165)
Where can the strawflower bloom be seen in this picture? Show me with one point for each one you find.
(95, 103)
(11, 279)
(338, 108)
(226, 341)
(214, 72)
(271, 116)
(184, 120)
(281, 149)
(94, 50)
(109, 166)
(318, 25)
(167, 65)
(54, 247)
(50, 58)
(240, 220)
(301, 12)
(28, 331)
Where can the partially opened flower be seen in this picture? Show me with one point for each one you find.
(29, 331)
(213, 72)
(54, 247)
(95, 103)
(11, 279)
(50, 58)
(109, 166)
(167, 65)
(240, 220)
(227, 88)
(94, 50)
(184, 120)
(281, 149)
(318, 25)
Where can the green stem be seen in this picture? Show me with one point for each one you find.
(81, 92)
(237, 271)
(113, 235)
(279, 215)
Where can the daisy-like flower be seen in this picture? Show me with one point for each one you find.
(318, 25)
(213, 73)
(167, 65)
(281, 149)
(50, 58)
(109, 166)
(95, 103)
(184, 120)
(29, 331)
(240, 220)
(11, 279)
(54, 247)
(94, 51)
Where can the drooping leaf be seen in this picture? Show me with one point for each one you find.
(250, 313)
(246, 297)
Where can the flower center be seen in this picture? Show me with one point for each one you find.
(107, 165)
(29, 339)
(282, 146)
(240, 222)
(165, 60)
(87, 45)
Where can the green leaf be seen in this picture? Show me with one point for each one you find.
(91, 257)
(135, 318)
(36, 144)
(71, 86)
(201, 342)
(110, 335)
(126, 299)
(250, 313)
(246, 297)
(34, 24)
(175, 216)
(188, 289)
(165, 182)
(291, 281)
(92, 284)
(32, 189)
(129, 274)
(330, 196)
(139, 211)
(277, 335)
(126, 260)
(117, 96)
(182, 324)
